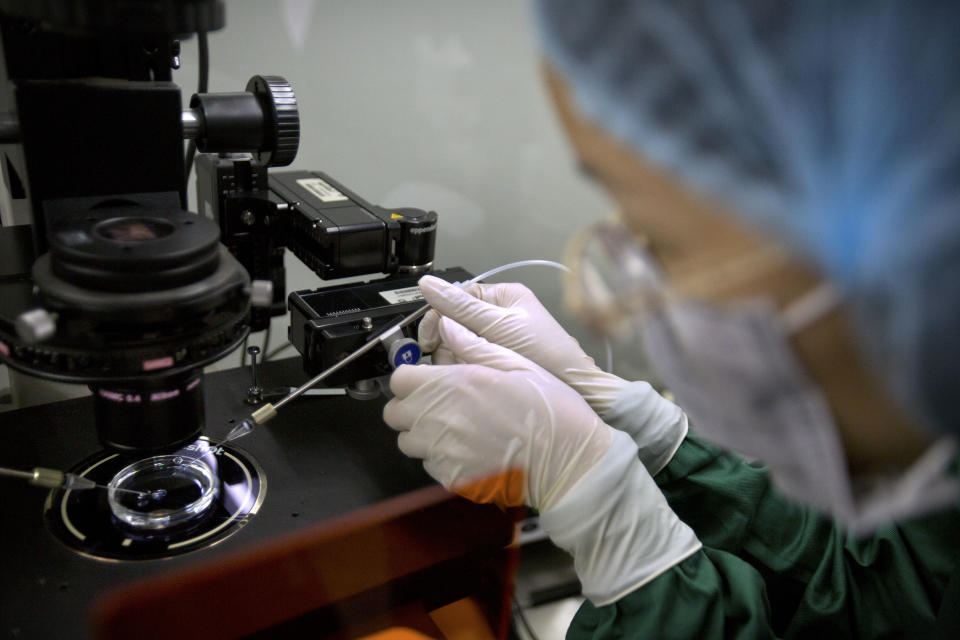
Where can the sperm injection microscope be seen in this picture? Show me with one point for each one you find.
(112, 283)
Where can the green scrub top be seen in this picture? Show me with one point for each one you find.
(771, 568)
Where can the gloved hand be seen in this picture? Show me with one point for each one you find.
(500, 428)
(511, 316)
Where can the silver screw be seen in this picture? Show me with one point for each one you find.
(247, 217)
(366, 324)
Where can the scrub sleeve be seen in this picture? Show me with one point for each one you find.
(771, 568)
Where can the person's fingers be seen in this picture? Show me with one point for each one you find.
(443, 355)
(415, 443)
(407, 378)
(403, 414)
(475, 289)
(469, 348)
(453, 302)
(501, 294)
(428, 334)
(395, 415)
(417, 388)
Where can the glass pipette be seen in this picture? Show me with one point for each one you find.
(269, 411)
(53, 479)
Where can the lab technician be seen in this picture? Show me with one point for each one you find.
(788, 180)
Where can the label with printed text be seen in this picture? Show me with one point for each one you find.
(322, 189)
(407, 294)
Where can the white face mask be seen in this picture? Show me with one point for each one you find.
(734, 373)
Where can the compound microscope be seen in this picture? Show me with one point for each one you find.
(115, 285)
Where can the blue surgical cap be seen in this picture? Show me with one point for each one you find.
(833, 124)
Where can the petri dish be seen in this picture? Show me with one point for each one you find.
(162, 492)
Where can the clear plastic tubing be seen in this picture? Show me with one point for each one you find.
(516, 265)
(608, 349)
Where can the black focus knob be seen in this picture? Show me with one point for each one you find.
(418, 236)
(282, 120)
(263, 120)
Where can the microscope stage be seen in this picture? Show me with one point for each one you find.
(326, 456)
(84, 521)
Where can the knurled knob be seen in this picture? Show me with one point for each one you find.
(282, 119)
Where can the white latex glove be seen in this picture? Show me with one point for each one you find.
(499, 428)
(511, 316)
(618, 526)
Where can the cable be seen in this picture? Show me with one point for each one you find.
(204, 55)
(188, 163)
(519, 263)
(278, 350)
(243, 351)
(266, 340)
(202, 82)
(520, 615)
